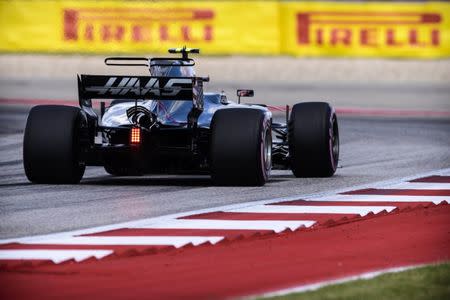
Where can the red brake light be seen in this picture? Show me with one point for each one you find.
(135, 135)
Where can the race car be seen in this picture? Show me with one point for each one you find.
(166, 124)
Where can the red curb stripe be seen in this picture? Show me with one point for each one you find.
(178, 232)
(391, 112)
(433, 179)
(131, 250)
(344, 111)
(270, 216)
(400, 205)
(38, 102)
(11, 263)
(33, 102)
(250, 267)
(399, 192)
(115, 248)
(359, 111)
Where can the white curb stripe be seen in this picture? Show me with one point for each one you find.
(303, 209)
(276, 226)
(165, 218)
(176, 241)
(382, 198)
(57, 256)
(173, 221)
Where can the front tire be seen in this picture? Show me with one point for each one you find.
(51, 146)
(313, 137)
(241, 145)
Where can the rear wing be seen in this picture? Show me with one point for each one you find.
(136, 87)
(139, 88)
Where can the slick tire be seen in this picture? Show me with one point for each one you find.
(313, 138)
(51, 145)
(241, 147)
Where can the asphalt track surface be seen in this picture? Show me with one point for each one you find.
(358, 223)
(372, 149)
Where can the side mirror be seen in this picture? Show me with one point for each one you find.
(244, 93)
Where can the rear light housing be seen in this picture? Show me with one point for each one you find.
(135, 136)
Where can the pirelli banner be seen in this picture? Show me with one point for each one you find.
(217, 27)
(396, 29)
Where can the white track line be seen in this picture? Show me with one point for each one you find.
(316, 286)
(420, 186)
(176, 241)
(276, 226)
(57, 256)
(303, 209)
(381, 198)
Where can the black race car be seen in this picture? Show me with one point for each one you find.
(166, 124)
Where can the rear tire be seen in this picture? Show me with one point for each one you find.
(51, 146)
(313, 137)
(241, 147)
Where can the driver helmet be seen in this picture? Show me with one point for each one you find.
(171, 68)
